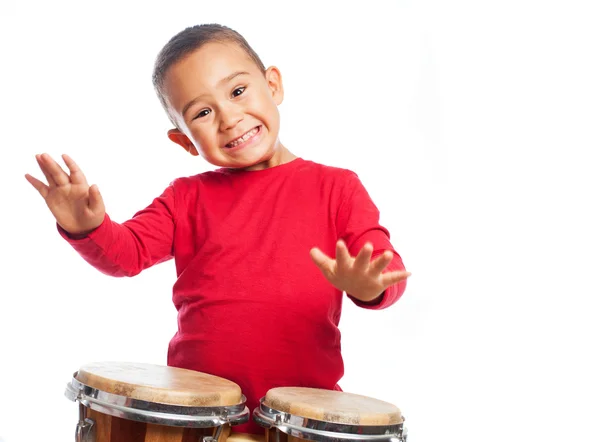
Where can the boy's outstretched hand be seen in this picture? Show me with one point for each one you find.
(359, 276)
(77, 207)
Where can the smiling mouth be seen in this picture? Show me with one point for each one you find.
(243, 138)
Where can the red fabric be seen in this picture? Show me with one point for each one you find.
(252, 306)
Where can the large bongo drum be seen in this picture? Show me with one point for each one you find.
(294, 413)
(131, 402)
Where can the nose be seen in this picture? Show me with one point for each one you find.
(231, 115)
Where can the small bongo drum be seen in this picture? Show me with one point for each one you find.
(294, 413)
(131, 402)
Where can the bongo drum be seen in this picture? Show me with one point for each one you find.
(294, 413)
(131, 402)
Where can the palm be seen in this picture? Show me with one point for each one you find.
(77, 208)
(358, 276)
(69, 202)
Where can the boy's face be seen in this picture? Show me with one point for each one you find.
(225, 108)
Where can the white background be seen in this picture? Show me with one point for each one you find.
(474, 127)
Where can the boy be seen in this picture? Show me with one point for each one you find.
(249, 238)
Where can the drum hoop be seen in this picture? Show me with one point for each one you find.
(156, 412)
(323, 431)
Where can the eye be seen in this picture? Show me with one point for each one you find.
(238, 91)
(202, 113)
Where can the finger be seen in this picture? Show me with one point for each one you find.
(39, 186)
(45, 170)
(77, 176)
(342, 255)
(379, 264)
(96, 202)
(324, 262)
(363, 259)
(391, 278)
(58, 175)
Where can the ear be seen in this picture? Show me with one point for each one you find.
(273, 77)
(177, 137)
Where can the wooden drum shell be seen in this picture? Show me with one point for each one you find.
(115, 429)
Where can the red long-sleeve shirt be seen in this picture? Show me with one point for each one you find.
(252, 306)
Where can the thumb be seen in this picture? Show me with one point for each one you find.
(96, 202)
(324, 262)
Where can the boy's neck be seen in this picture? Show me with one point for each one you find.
(281, 156)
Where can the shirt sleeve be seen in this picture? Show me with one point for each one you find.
(128, 248)
(358, 223)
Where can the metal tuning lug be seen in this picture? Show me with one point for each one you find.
(216, 436)
(85, 431)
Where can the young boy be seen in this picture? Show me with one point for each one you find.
(264, 245)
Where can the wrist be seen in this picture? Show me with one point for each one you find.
(370, 300)
(75, 235)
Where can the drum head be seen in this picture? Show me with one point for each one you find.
(332, 406)
(160, 384)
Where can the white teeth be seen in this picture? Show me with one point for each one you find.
(244, 137)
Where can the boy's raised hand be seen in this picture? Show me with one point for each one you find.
(359, 276)
(77, 207)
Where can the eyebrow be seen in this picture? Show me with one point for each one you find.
(221, 82)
